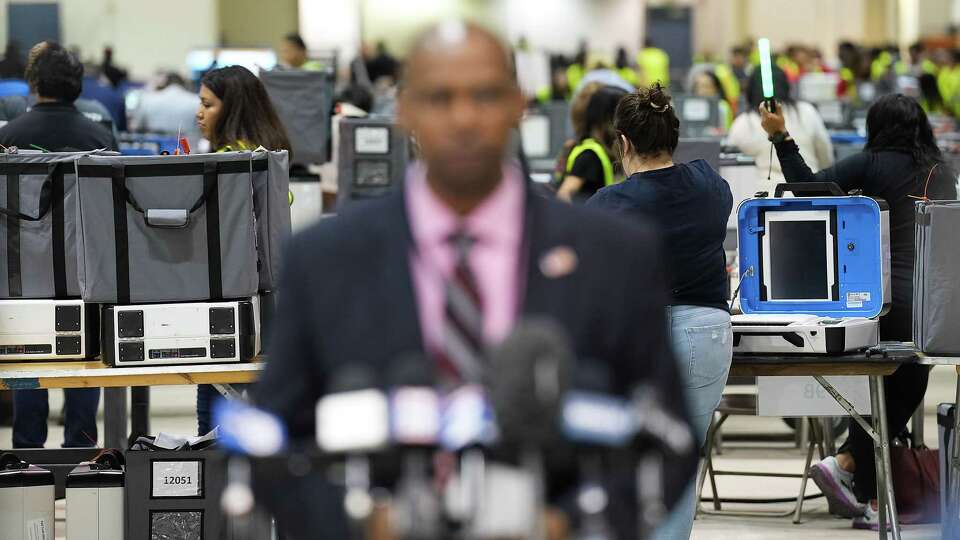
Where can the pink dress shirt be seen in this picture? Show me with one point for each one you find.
(497, 227)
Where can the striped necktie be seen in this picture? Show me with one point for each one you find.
(464, 346)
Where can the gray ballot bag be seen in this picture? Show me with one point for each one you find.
(936, 278)
(171, 228)
(303, 100)
(271, 205)
(38, 233)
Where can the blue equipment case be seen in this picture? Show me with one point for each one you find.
(815, 271)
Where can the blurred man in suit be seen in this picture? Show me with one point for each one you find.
(445, 267)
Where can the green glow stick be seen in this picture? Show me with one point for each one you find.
(766, 71)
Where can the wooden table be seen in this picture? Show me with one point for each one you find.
(874, 364)
(114, 381)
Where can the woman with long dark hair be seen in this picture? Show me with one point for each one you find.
(900, 164)
(235, 112)
(590, 165)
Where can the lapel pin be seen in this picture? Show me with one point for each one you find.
(558, 262)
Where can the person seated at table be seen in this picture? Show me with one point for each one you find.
(590, 164)
(235, 114)
(55, 77)
(690, 202)
(53, 123)
(900, 163)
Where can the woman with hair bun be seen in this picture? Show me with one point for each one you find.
(691, 203)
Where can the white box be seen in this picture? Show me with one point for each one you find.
(802, 334)
(803, 396)
(183, 333)
(26, 502)
(94, 503)
(48, 330)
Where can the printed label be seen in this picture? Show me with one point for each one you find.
(176, 479)
(37, 529)
(856, 299)
(371, 140)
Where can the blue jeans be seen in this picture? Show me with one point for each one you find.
(206, 397)
(30, 411)
(703, 346)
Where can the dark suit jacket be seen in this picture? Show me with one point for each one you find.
(347, 297)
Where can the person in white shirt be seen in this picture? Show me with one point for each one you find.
(806, 127)
(169, 109)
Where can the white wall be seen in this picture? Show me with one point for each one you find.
(332, 24)
(146, 36)
(558, 25)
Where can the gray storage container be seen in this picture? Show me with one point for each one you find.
(936, 279)
(170, 228)
(38, 234)
(303, 100)
(271, 204)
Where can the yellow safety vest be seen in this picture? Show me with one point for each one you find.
(654, 66)
(731, 86)
(628, 74)
(592, 145)
(575, 73)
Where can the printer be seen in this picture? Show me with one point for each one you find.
(814, 269)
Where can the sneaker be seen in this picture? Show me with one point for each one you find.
(870, 520)
(837, 485)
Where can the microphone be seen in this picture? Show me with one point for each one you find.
(353, 420)
(662, 436)
(532, 369)
(414, 406)
(596, 421)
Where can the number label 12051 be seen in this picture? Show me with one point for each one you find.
(177, 480)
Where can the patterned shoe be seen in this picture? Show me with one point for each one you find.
(837, 485)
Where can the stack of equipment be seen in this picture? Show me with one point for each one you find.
(175, 248)
(815, 272)
(43, 316)
(95, 498)
(26, 500)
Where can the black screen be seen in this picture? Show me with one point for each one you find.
(798, 260)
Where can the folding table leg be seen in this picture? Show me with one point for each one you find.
(806, 468)
(115, 417)
(951, 521)
(885, 497)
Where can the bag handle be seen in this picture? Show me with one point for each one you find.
(46, 200)
(110, 459)
(9, 459)
(167, 218)
(814, 188)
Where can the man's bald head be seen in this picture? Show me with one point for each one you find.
(460, 101)
(451, 36)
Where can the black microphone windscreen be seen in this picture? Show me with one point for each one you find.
(529, 374)
(591, 375)
(411, 369)
(351, 377)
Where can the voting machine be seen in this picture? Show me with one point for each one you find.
(815, 271)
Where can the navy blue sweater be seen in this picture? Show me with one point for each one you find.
(690, 202)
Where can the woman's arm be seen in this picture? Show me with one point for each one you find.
(848, 174)
(570, 186)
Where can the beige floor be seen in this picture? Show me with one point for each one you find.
(172, 411)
